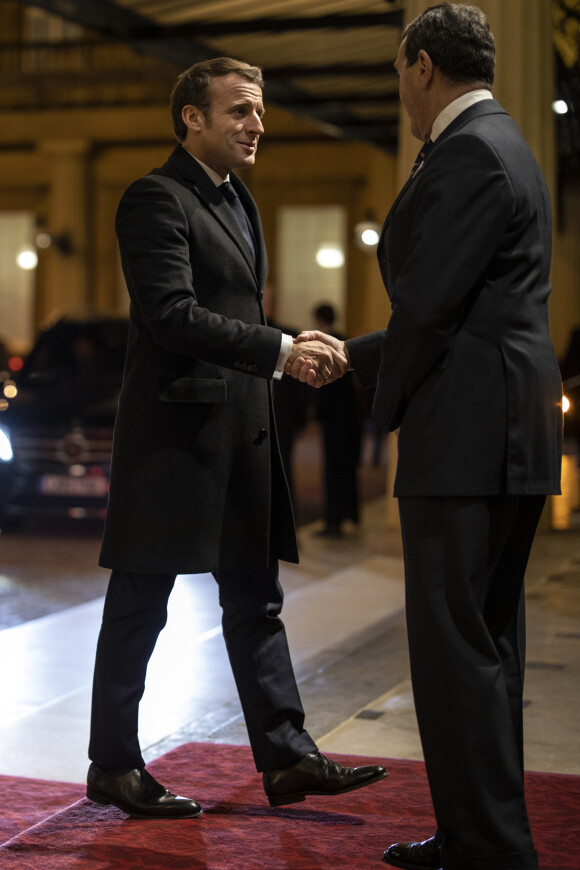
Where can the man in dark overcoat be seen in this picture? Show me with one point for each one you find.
(197, 483)
(466, 372)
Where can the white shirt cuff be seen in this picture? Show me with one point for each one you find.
(285, 351)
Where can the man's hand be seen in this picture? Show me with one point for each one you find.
(317, 358)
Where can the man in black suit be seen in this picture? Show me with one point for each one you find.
(339, 416)
(197, 484)
(466, 372)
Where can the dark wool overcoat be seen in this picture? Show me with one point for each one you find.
(196, 483)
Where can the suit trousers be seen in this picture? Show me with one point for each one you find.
(134, 614)
(465, 560)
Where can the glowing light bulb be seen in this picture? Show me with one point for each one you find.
(27, 259)
(330, 257)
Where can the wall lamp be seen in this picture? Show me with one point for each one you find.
(27, 258)
(62, 243)
(367, 234)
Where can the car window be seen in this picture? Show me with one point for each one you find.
(76, 349)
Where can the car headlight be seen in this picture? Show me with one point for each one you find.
(5, 445)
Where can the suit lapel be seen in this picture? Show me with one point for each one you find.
(393, 208)
(483, 107)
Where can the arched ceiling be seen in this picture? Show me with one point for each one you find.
(329, 62)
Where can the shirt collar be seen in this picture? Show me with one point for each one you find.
(450, 112)
(215, 176)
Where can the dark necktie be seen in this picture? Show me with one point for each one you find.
(229, 194)
(421, 157)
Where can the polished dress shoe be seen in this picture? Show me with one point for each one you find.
(410, 856)
(316, 774)
(139, 795)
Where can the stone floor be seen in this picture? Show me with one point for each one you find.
(345, 620)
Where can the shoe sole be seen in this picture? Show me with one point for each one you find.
(102, 799)
(279, 800)
(405, 865)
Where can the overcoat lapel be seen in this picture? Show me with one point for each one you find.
(204, 188)
(261, 266)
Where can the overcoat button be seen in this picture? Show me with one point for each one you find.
(260, 436)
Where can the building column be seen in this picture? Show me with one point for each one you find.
(65, 268)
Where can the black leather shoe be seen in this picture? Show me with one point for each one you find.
(316, 774)
(410, 856)
(139, 795)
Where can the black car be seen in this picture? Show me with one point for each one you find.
(56, 422)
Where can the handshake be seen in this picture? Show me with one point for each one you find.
(317, 358)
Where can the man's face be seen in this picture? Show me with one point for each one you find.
(410, 92)
(228, 138)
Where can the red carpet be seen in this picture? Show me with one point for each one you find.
(25, 802)
(239, 831)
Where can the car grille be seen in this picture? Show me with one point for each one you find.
(57, 448)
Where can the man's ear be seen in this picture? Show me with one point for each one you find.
(192, 118)
(425, 67)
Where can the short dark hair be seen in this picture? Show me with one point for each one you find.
(457, 38)
(192, 87)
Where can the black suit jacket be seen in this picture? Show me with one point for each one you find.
(465, 367)
(196, 472)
